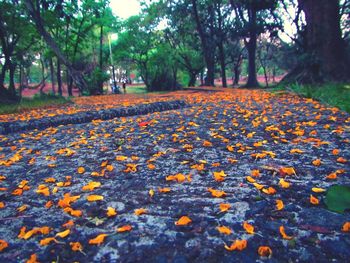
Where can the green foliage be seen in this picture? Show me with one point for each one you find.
(38, 101)
(333, 94)
(94, 78)
(338, 198)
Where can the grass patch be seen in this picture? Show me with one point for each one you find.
(337, 95)
(42, 101)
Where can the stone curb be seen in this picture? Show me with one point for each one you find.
(85, 117)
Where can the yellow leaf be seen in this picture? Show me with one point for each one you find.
(258, 186)
(92, 198)
(22, 208)
(91, 186)
(224, 230)
(296, 151)
(248, 228)
(255, 173)
(98, 240)
(269, 191)
(183, 221)
(111, 212)
(178, 177)
(33, 259)
(151, 193)
(140, 211)
(283, 183)
(316, 162)
(283, 234)
(287, 171)
(63, 234)
(250, 179)
(121, 158)
(125, 228)
(279, 204)
(318, 190)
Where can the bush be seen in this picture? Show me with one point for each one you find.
(94, 79)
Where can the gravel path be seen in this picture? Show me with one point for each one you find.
(212, 145)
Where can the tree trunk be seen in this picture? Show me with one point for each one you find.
(237, 72)
(3, 74)
(100, 82)
(222, 64)
(192, 81)
(327, 59)
(52, 76)
(12, 89)
(33, 8)
(59, 79)
(251, 48)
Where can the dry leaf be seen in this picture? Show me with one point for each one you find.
(98, 240)
(183, 221)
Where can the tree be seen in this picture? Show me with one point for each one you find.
(325, 57)
(254, 17)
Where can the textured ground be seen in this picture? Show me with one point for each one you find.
(215, 143)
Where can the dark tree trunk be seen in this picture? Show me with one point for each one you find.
(59, 79)
(192, 81)
(100, 84)
(251, 48)
(327, 59)
(222, 64)
(52, 76)
(237, 72)
(207, 46)
(12, 89)
(3, 74)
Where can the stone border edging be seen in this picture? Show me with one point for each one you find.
(88, 116)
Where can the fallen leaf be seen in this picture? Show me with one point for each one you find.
(237, 245)
(248, 228)
(63, 234)
(111, 212)
(33, 259)
(81, 170)
(125, 228)
(224, 230)
(318, 190)
(47, 241)
(3, 245)
(314, 200)
(92, 198)
(183, 221)
(76, 246)
(164, 190)
(283, 233)
(98, 240)
(140, 211)
(279, 204)
(265, 251)
(346, 227)
(224, 207)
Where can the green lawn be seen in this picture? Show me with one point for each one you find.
(33, 103)
(337, 95)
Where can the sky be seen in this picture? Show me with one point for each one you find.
(125, 8)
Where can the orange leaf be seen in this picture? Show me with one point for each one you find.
(76, 246)
(342, 160)
(33, 259)
(219, 176)
(125, 228)
(81, 170)
(47, 241)
(283, 234)
(287, 171)
(91, 186)
(248, 228)
(224, 207)
(178, 177)
(92, 198)
(216, 193)
(296, 151)
(140, 211)
(332, 176)
(316, 162)
(279, 204)
(183, 221)
(318, 190)
(255, 173)
(3, 245)
(269, 191)
(22, 208)
(346, 227)
(68, 224)
(98, 240)
(264, 251)
(314, 200)
(224, 230)
(335, 151)
(207, 144)
(250, 179)
(164, 190)
(2, 205)
(237, 245)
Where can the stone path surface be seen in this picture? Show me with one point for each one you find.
(120, 190)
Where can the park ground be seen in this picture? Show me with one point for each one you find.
(230, 175)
